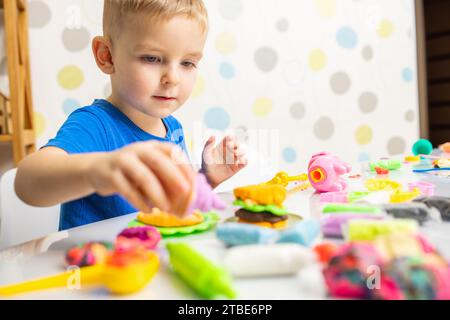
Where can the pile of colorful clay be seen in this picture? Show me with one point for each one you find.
(146, 236)
(261, 205)
(94, 253)
(394, 266)
(88, 254)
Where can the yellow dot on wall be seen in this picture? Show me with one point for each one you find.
(317, 60)
(325, 8)
(199, 87)
(385, 29)
(70, 77)
(39, 123)
(262, 107)
(226, 43)
(363, 135)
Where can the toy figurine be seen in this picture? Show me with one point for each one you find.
(324, 171)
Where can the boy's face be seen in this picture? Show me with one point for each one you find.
(155, 63)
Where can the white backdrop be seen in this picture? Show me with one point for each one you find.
(314, 75)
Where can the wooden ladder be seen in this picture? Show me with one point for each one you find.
(22, 134)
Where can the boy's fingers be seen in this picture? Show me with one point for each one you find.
(174, 181)
(126, 189)
(179, 158)
(210, 142)
(146, 183)
(239, 152)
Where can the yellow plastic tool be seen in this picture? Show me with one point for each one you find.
(404, 196)
(121, 274)
(382, 184)
(282, 178)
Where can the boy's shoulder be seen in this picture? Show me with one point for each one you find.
(98, 107)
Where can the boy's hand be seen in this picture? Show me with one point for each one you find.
(222, 161)
(147, 174)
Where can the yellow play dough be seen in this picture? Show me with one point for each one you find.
(160, 218)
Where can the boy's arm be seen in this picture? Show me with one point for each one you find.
(52, 176)
(147, 174)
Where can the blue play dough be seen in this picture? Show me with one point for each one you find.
(238, 234)
(302, 233)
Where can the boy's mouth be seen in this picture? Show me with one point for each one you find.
(162, 98)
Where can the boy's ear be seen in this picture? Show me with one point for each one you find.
(101, 47)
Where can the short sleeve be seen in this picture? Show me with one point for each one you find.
(83, 132)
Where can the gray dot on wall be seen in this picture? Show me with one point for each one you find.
(340, 83)
(266, 59)
(39, 14)
(324, 128)
(282, 25)
(410, 116)
(231, 9)
(368, 102)
(75, 39)
(396, 146)
(3, 67)
(367, 53)
(298, 110)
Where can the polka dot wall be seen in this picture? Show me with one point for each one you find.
(335, 75)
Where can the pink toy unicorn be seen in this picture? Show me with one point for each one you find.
(324, 171)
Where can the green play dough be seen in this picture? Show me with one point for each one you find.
(278, 211)
(210, 220)
(422, 146)
(390, 164)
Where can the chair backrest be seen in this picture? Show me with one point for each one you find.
(20, 222)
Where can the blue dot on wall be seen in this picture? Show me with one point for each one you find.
(70, 105)
(363, 157)
(408, 74)
(227, 70)
(347, 37)
(289, 155)
(217, 118)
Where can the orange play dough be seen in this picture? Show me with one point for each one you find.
(160, 218)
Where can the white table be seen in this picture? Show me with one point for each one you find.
(19, 264)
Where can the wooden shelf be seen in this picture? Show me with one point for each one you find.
(19, 102)
(5, 138)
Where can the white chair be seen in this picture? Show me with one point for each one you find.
(20, 222)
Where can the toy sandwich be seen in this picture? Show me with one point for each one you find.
(261, 205)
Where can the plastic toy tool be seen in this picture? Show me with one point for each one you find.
(324, 171)
(282, 178)
(205, 278)
(123, 273)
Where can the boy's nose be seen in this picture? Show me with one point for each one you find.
(170, 76)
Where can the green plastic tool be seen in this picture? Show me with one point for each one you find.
(205, 278)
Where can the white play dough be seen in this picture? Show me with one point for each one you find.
(267, 260)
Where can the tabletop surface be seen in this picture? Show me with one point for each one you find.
(23, 263)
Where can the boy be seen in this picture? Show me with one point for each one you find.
(123, 154)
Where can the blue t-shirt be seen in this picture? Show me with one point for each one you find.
(101, 127)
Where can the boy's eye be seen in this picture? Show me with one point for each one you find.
(189, 64)
(152, 59)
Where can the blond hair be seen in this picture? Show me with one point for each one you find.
(115, 12)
